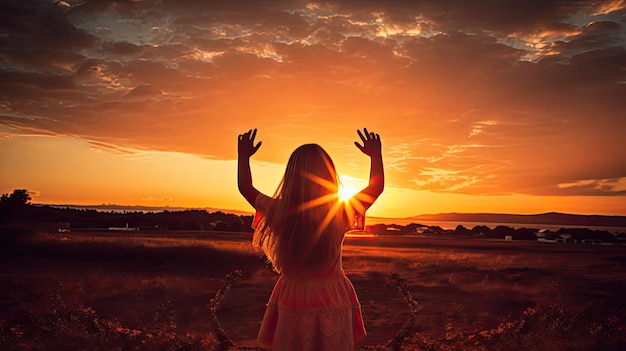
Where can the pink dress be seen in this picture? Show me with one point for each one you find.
(317, 312)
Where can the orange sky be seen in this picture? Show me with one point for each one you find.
(481, 107)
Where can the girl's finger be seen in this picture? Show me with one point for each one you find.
(361, 135)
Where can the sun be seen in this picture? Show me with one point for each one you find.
(346, 192)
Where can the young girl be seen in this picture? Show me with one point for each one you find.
(301, 229)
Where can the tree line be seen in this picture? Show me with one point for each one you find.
(500, 232)
(16, 210)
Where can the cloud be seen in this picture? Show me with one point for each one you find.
(444, 180)
(157, 199)
(497, 96)
(99, 146)
(614, 186)
(33, 193)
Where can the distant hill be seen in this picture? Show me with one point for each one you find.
(554, 218)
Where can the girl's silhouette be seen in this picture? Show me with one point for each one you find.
(301, 229)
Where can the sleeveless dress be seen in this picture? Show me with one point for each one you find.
(315, 312)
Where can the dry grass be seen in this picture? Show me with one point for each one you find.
(99, 292)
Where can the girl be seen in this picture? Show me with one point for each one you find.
(301, 228)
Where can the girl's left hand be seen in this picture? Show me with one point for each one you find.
(371, 143)
(246, 147)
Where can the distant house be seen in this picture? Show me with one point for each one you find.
(541, 233)
(123, 229)
(384, 229)
(591, 241)
(64, 227)
(414, 228)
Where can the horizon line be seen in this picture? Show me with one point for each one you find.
(112, 206)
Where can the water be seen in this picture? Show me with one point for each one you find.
(451, 225)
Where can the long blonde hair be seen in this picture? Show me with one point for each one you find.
(304, 222)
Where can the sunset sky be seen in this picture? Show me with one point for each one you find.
(482, 106)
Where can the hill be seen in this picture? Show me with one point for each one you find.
(543, 218)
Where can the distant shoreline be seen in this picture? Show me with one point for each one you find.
(540, 221)
(451, 225)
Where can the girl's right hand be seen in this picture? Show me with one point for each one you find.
(246, 147)
(371, 143)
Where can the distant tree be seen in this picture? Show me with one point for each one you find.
(605, 236)
(14, 207)
(18, 197)
(481, 230)
(435, 229)
(247, 223)
(461, 230)
(588, 234)
(501, 232)
(525, 234)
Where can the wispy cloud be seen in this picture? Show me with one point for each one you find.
(614, 186)
(157, 199)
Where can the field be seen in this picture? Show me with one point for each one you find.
(124, 291)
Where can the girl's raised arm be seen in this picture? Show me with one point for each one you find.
(372, 148)
(246, 149)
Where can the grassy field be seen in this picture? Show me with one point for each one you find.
(114, 291)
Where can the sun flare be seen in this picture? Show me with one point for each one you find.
(346, 192)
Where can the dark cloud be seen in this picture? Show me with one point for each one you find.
(475, 16)
(39, 25)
